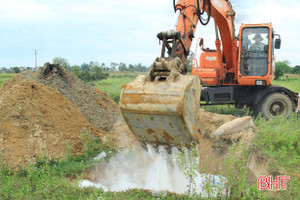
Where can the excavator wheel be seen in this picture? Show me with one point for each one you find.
(275, 105)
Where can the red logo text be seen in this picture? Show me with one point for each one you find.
(268, 183)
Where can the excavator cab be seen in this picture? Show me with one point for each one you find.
(256, 55)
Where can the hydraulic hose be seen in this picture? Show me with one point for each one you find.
(174, 5)
(200, 13)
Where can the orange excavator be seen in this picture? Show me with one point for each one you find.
(163, 106)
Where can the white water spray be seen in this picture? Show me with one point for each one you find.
(151, 169)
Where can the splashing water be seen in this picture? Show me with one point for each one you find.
(151, 169)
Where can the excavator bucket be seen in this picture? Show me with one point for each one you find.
(162, 112)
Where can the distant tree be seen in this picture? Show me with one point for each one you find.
(4, 69)
(131, 68)
(89, 72)
(113, 66)
(62, 62)
(278, 73)
(94, 64)
(85, 67)
(140, 68)
(122, 67)
(104, 67)
(282, 67)
(16, 70)
(85, 75)
(189, 61)
(285, 66)
(75, 69)
(296, 69)
(98, 73)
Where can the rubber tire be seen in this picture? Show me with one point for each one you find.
(277, 99)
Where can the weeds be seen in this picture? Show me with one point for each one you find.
(235, 169)
(279, 140)
(228, 110)
(188, 162)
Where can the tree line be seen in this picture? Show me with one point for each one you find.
(284, 67)
(94, 71)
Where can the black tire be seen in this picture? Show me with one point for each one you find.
(275, 105)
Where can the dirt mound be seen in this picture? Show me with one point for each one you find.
(41, 111)
(37, 119)
(97, 106)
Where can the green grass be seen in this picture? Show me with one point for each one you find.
(112, 85)
(278, 139)
(4, 77)
(292, 84)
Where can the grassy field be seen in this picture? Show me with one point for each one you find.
(277, 140)
(4, 77)
(112, 85)
(290, 81)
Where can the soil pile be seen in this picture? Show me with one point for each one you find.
(41, 111)
(96, 106)
(37, 119)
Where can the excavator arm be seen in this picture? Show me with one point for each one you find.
(178, 40)
(163, 106)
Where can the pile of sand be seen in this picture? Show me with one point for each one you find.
(42, 111)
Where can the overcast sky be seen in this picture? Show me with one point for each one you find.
(119, 30)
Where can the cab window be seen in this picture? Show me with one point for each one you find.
(254, 51)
